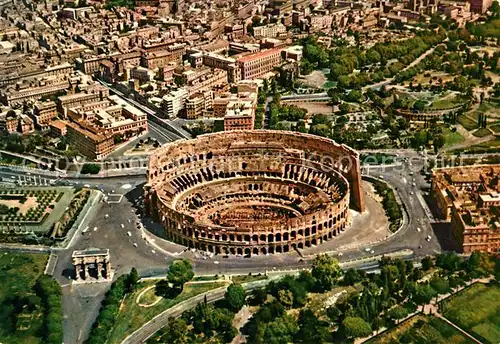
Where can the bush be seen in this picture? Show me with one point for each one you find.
(90, 169)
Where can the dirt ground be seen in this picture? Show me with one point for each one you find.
(313, 108)
(23, 208)
(316, 79)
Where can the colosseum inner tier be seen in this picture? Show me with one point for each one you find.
(253, 192)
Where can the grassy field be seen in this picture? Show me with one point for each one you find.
(482, 132)
(451, 137)
(477, 311)
(132, 316)
(18, 274)
(467, 123)
(490, 146)
(423, 330)
(442, 104)
(495, 128)
(248, 278)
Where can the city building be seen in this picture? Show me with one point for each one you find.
(198, 104)
(469, 198)
(173, 103)
(256, 65)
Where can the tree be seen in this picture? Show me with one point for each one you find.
(352, 276)
(311, 329)
(427, 263)
(398, 312)
(355, 96)
(180, 272)
(440, 285)
(423, 294)
(90, 169)
(334, 314)
(175, 332)
(281, 330)
(355, 327)
(438, 143)
(258, 297)
(326, 270)
(449, 261)
(286, 298)
(133, 279)
(235, 297)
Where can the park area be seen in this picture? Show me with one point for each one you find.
(477, 311)
(422, 329)
(21, 313)
(144, 304)
(31, 214)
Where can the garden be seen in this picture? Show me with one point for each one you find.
(28, 206)
(477, 311)
(422, 329)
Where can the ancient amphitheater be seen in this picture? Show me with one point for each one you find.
(257, 192)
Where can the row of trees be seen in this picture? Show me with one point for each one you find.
(49, 292)
(111, 306)
(392, 208)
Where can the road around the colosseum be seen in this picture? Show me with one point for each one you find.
(81, 303)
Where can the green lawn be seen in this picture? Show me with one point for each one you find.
(477, 311)
(451, 137)
(482, 132)
(467, 123)
(133, 316)
(18, 274)
(442, 104)
(248, 278)
(423, 330)
(495, 128)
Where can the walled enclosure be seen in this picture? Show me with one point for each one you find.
(253, 192)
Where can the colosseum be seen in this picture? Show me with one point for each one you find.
(253, 192)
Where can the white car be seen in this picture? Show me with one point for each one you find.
(418, 229)
(122, 225)
(367, 249)
(129, 234)
(86, 186)
(95, 229)
(216, 262)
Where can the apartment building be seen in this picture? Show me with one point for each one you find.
(239, 116)
(173, 103)
(198, 103)
(44, 113)
(204, 78)
(93, 95)
(256, 65)
(89, 141)
(33, 91)
(271, 30)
